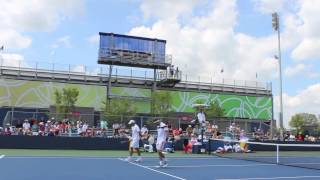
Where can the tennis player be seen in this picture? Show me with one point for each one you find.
(135, 139)
(161, 140)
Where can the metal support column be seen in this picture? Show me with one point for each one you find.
(108, 99)
(154, 88)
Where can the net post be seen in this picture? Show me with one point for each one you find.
(277, 153)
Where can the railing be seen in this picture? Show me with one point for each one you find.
(169, 75)
(125, 72)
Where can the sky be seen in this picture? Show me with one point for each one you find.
(203, 37)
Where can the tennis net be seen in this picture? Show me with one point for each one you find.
(293, 154)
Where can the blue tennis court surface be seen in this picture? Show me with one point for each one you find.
(103, 168)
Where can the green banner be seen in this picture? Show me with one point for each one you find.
(38, 94)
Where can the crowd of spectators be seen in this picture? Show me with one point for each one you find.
(50, 127)
(300, 136)
(192, 133)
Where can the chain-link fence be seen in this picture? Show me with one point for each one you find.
(98, 120)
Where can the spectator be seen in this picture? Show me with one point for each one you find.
(103, 125)
(26, 126)
(171, 69)
(7, 132)
(210, 128)
(150, 146)
(217, 135)
(116, 128)
(201, 116)
(35, 128)
(51, 132)
(193, 139)
(196, 130)
(242, 135)
(187, 146)
(20, 132)
(189, 130)
(47, 127)
(84, 129)
(144, 132)
(19, 124)
(41, 128)
(232, 127)
(79, 127)
(300, 137)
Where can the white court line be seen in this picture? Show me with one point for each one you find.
(299, 163)
(160, 172)
(266, 178)
(267, 157)
(217, 165)
(82, 157)
(104, 158)
(59, 157)
(2, 156)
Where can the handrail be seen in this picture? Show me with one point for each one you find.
(132, 73)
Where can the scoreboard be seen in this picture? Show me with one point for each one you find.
(124, 50)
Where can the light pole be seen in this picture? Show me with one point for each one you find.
(276, 27)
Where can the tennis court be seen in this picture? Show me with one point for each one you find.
(54, 164)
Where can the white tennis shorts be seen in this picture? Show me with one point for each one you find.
(134, 143)
(160, 145)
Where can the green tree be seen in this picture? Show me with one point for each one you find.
(161, 102)
(214, 110)
(65, 100)
(301, 120)
(118, 110)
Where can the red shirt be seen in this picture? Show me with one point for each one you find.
(300, 137)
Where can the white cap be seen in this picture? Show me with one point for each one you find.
(131, 122)
(162, 125)
(189, 126)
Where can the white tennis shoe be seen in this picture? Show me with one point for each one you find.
(138, 160)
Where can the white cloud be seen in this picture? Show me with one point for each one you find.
(269, 6)
(167, 9)
(12, 60)
(301, 22)
(308, 100)
(62, 41)
(309, 48)
(11, 38)
(19, 16)
(94, 39)
(297, 69)
(206, 43)
(313, 74)
(37, 15)
(308, 31)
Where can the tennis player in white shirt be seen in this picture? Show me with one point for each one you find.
(161, 140)
(135, 139)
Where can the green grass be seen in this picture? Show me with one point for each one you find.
(85, 153)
